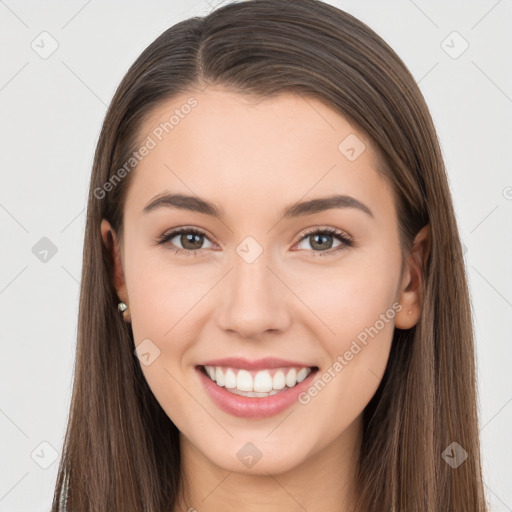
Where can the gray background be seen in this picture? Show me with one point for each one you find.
(51, 111)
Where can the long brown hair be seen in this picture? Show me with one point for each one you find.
(121, 451)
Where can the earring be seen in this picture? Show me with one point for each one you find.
(409, 312)
(122, 307)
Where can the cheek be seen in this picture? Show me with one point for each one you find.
(351, 294)
(359, 307)
(162, 295)
(164, 301)
(345, 304)
(347, 296)
(357, 310)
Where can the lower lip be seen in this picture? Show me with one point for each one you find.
(254, 407)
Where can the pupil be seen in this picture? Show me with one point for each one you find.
(191, 238)
(324, 239)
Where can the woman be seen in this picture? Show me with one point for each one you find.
(274, 312)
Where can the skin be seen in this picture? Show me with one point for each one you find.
(253, 159)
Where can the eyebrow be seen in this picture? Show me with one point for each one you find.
(196, 204)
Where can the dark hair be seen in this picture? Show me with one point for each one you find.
(121, 451)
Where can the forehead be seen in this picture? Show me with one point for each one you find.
(247, 151)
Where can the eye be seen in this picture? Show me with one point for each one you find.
(321, 241)
(191, 241)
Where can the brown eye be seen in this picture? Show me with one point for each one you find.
(185, 241)
(321, 241)
(190, 241)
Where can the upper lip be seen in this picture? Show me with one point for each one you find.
(255, 364)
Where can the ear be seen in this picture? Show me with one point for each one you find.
(111, 242)
(412, 285)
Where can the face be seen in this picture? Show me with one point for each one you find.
(318, 289)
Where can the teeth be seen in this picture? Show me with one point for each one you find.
(253, 393)
(230, 379)
(302, 374)
(257, 384)
(219, 376)
(278, 381)
(262, 382)
(243, 381)
(291, 378)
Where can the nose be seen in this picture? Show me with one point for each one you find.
(254, 299)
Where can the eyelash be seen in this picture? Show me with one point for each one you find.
(346, 241)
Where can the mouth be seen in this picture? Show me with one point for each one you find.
(256, 383)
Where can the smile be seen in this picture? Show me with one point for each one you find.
(260, 383)
(249, 393)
